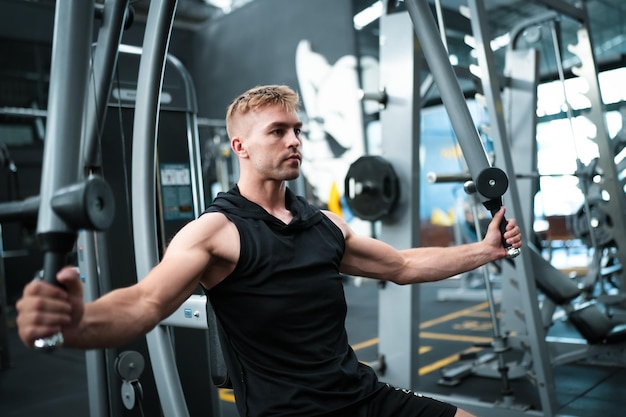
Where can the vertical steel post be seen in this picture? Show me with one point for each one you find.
(64, 125)
(398, 323)
(91, 245)
(73, 23)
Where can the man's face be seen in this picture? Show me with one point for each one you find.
(271, 138)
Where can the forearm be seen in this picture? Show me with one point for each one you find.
(436, 263)
(113, 320)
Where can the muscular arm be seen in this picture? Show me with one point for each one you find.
(372, 258)
(195, 255)
(127, 313)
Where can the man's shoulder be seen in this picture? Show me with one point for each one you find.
(212, 219)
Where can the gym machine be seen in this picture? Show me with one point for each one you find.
(490, 182)
(577, 302)
(523, 325)
(76, 203)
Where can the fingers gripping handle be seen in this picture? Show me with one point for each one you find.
(511, 252)
(494, 206)
(52, 263)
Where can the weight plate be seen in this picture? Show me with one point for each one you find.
(371, 188)
(599, 221)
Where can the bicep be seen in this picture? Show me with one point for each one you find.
(192, 257)
(365, 256)
(176, 278)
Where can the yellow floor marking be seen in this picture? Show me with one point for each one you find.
(483, 314)
(365, 344)
(227, 395)
(454, 315)
(455, 337)
(431, 335)
(444, 362)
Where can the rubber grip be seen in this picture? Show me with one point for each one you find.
(511, 252)
(494, 205)
(52, 263)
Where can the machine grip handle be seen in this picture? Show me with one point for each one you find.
(492, 183)
(511, 252)
(52, 263)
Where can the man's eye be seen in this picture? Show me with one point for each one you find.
(297, 131)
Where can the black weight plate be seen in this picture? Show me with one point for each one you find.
(371, 186)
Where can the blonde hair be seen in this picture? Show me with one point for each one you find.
(261, 96)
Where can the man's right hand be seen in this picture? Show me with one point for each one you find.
(45, 309)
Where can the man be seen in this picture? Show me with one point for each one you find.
(271, 264)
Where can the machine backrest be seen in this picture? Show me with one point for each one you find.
(217, 365)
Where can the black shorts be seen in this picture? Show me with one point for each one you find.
(389, 401)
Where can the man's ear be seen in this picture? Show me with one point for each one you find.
(238, 147)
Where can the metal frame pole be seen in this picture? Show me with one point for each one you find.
(151, 70)
(69, 71)
(398, 322)
(93, 271)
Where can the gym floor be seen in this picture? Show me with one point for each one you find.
(54, 385)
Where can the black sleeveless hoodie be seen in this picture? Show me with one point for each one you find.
(282, 313)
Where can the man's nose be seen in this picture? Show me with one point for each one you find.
(294, 140)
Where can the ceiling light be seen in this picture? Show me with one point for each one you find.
(368, 15)
(225, 5)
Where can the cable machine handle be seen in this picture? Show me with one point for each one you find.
(492, 183)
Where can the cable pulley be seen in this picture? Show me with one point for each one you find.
(129, 366)
(492, 182)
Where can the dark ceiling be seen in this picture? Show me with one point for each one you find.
(607, 21)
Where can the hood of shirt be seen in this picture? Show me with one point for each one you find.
(304, 214)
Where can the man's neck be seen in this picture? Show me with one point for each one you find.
(270, 196)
